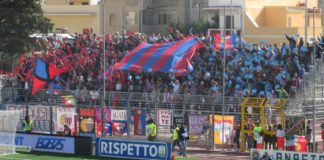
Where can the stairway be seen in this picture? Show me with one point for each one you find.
(311, 92)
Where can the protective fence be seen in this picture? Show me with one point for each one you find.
(125, 114)
(267, 112)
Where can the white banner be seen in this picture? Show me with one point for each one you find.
(258, 154)
(65, 115)
(118, 115)
(164, 117)
(40, 115)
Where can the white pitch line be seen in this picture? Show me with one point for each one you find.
(13, 158)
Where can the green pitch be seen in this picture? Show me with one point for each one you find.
(51, 156)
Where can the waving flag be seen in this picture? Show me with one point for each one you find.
(44, 74)
(229, 41)
(164, 57)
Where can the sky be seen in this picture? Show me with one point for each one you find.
(94, 2)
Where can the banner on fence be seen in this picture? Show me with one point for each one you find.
(218, 129)
(257, 154)
(139, 121)
(38, 113)
(86, 122)
(119, 115)
(197, 123)
(164, 117)
(129, 149)
(118, 122)
(64, 116)
(177, 119)
(106, 121)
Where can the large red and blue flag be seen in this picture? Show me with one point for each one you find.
(44, 73)
(164, 57)
(228, 41)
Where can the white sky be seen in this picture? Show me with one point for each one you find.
(94, 2)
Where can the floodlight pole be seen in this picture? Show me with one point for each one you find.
(223, 89)
(314, 108)
(104, 69)
(306, 20)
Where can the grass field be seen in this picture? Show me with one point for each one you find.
(51, 156)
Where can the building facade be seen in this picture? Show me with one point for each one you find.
(254, 20)
(147, 16)
(271, 19)
(72, 15)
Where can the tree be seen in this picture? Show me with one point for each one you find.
(199, 26)
(18, 20)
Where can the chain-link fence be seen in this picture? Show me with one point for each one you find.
(122, 114)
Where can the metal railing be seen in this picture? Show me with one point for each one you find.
(181, 105)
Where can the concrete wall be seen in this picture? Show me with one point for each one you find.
(74, 17)
(275, 16)
(114, 16)
(254, 3)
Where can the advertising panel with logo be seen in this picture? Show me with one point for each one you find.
(106, 121)
(218, 129)
(40, 115)
(43, 143)
(139, 121)
(65, 116)
(119, 122)
(258, 154)
(128, 149)
(86, 122)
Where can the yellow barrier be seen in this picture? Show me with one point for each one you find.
(265, 111)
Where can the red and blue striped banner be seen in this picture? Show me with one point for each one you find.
(164, 57)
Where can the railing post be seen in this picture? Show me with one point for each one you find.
(213, 126)
(51, 113)
(129, 114)
(155, 118)
(26, 101)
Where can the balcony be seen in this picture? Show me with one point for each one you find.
(214, 3)
(71, 10)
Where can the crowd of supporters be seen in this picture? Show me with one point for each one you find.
(251, 70)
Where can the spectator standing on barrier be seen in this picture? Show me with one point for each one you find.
(237, 134)
(280, 134)
(267, 136)
(28, 125)
(249, 125)
(256, 133)
(67, 131)
(259, 141)
(151, 130)
(175, 138)
(309, 135)
(183, 138)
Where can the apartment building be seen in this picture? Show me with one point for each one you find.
(73, 15)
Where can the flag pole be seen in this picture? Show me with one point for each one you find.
(104, 69)
(223, 89)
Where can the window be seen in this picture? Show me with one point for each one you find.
(130, 18)
(163, 18)
(228, 22)
(289, 21)
(112, 20)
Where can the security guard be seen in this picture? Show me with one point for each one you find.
(151, 130)
(27, 125)
(175, 138)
